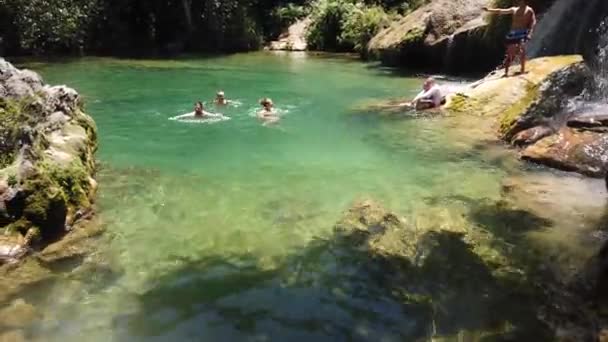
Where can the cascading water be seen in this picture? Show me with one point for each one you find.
(567, 27)
(548, 27)
(600, 63)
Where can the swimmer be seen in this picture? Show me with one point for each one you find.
(199, 111)
(220, 99)
(267, 114)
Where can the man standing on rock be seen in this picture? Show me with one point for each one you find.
(522, 26)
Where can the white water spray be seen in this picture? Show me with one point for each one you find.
(548, 27)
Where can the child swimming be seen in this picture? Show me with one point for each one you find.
(220, 99)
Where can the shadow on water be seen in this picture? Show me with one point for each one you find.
(338, 289)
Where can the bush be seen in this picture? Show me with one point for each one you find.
(362, 25)
(328, 18)
(51, 26)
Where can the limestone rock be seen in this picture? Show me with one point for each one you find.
(524, 101)
(11, 249)
(17, 314)
(572, 150)
(51, 144)
(294, 39)
(15, 335)
(447, 33)
(531, 135)
(589, 121)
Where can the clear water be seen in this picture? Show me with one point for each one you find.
(218, 230)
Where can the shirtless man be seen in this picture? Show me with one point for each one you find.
(522, 26)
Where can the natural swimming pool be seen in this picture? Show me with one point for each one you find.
(217, 230)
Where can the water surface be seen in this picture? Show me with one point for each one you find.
(219, 231)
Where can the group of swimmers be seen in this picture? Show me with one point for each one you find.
(522, 27)
(267, 114)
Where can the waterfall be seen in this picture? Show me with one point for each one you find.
(564, 27)
(600, 62)
(548, 27)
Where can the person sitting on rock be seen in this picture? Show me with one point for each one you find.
(220, 99)
(522, 26)
(429, 97)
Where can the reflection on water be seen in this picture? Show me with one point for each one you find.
(225, 232)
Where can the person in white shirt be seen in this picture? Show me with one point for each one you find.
(429, 97)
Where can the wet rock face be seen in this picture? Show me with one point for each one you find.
(551, 98)
(572, 150)
(532, 114)
(531, 135)
(441, 33)
(47, 164)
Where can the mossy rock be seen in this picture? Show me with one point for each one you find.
(47, 145)
(519, 101)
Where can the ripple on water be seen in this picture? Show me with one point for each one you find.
(225, 232)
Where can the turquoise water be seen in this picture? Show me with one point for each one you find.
(219, 231)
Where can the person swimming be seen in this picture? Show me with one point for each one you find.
(199, 109)
(267, 113)
(220, 99)
(200, 112)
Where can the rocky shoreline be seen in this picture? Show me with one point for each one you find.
(47, 169)
(532, 113)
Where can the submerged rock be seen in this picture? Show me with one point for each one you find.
(17, 314)
(47, 166)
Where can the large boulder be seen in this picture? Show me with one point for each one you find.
(572, 150)
(294, 39)
(524, 101)
(47, 165)
(448, 33)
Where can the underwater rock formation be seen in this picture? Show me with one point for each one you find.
(47, 163)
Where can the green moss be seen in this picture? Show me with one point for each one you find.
(12, 180)
(15, 116)
(10, 119)
(412, 36)
(20, 226)
(510, 116)
(73, 180)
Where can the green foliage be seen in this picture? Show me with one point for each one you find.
(136, 27)
(362, 25)
(328, 18)
(283, 16)
(399, 6)
(55, 26)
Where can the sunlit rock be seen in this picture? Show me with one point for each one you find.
(47, 162)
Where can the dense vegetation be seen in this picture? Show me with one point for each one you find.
(173, 26)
